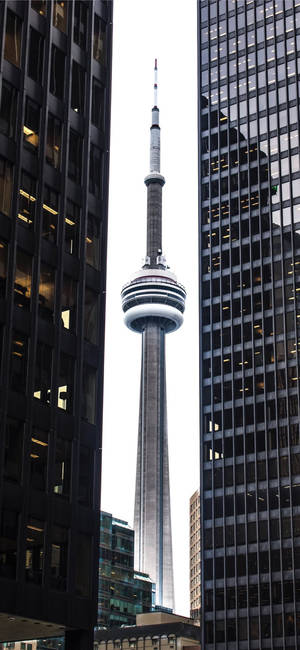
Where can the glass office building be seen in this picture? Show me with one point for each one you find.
(249, 221)
(123, 592)
(54, 143)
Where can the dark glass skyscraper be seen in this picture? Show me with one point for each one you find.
(249, 221)
(54, 142)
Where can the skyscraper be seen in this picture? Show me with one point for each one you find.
(123, 592)
(54, 141)
(249, 224)
(195, 572)
(153, 303)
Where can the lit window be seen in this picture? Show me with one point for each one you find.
(60, 12)
(12, 47)
(31, 126)
(23, 278)
(27, 200)
(50, 212)
(40, 6)
(99, 47)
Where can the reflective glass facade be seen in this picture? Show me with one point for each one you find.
(123, 592)
(53, 233)
(249, 206)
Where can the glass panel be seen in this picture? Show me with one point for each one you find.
(31, 126)
(57, 76)
(46, 291)
(6, 182)
(50, 212)
(78, 88)
(75, 156)
(13, 454)
(60, 14)
(95, 178)
(53, 145)
(93, 241)
(62, 480)
(80, 23)
(97, 104)
(42, 377)
(34, 558)
(66, 382)
(3, 268)
(68, 302)
(72, 227)
(23, 278)
(91, 316)
(59, 558)
(86, 471)
(12, 46)
(99, 46)
(8, 109)
(27, 200)
(40, 6)
(38, 459)
(88, 411)
(35, 56)
(18, 368)
(8, 543)
(83, 568)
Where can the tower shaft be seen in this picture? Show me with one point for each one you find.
(154, 218)
(152, 519)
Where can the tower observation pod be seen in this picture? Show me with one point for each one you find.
(153, 304)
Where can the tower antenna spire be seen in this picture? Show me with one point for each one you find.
(155, 82)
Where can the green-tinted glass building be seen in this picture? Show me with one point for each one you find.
(123, 592)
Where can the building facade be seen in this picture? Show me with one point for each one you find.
(154, 631)
(195, 557)
(54, 143)
(249, 223)
(153, 304)
(123, 592)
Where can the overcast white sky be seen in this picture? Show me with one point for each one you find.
(145, 30)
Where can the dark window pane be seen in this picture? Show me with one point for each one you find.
(85, 473)
(3, 268)
(72, 228)
(12, 46)
(8, 109)
(40, 6)
(27, 200)
(95, 179)
(8, 543)
(60, 14)
(42, 377)
(53, 145)
(93, 241)
(99, 46)
(80, 23)
(91, 316)
(38, 459)
(69, 302)
(6, 182)
(13, 454)
(62, 480)
(57, 76)
(34, 558)
(97, 104)
(50, 212)
(59, 558)
(83, 568)
(78, 88)
(46, 291)
(75, 156)
(35, 56)
(23, 278)
(89, 394)
(66, 382)
(31, 126)
(18, 368)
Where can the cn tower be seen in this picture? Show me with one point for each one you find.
(153, 304)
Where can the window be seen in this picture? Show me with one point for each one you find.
(63, 454)
(93, 241)
(31, 126)
(23, 278)
(60, 12)
(8, 543)
(27, 200)
(53, 146)
(72, 227)
(59, 558)
(46, 291)
(80, 23)
(78, 88)
(42, 378)
(91, 316)
(38, 459)
(98, 104)
(13, 454)
(13, 34)
(66, 382)
(89, 394)
(68, 302)
(86, 471)
(8, 109)
(50, 212)
(6, 182)
(99, 46)
(75, 156)
(57, 76)
(95, 179)
(34, 558)
(3, 268)
(18, 366)
(35, 56)
(40, 6)
(83, 568)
